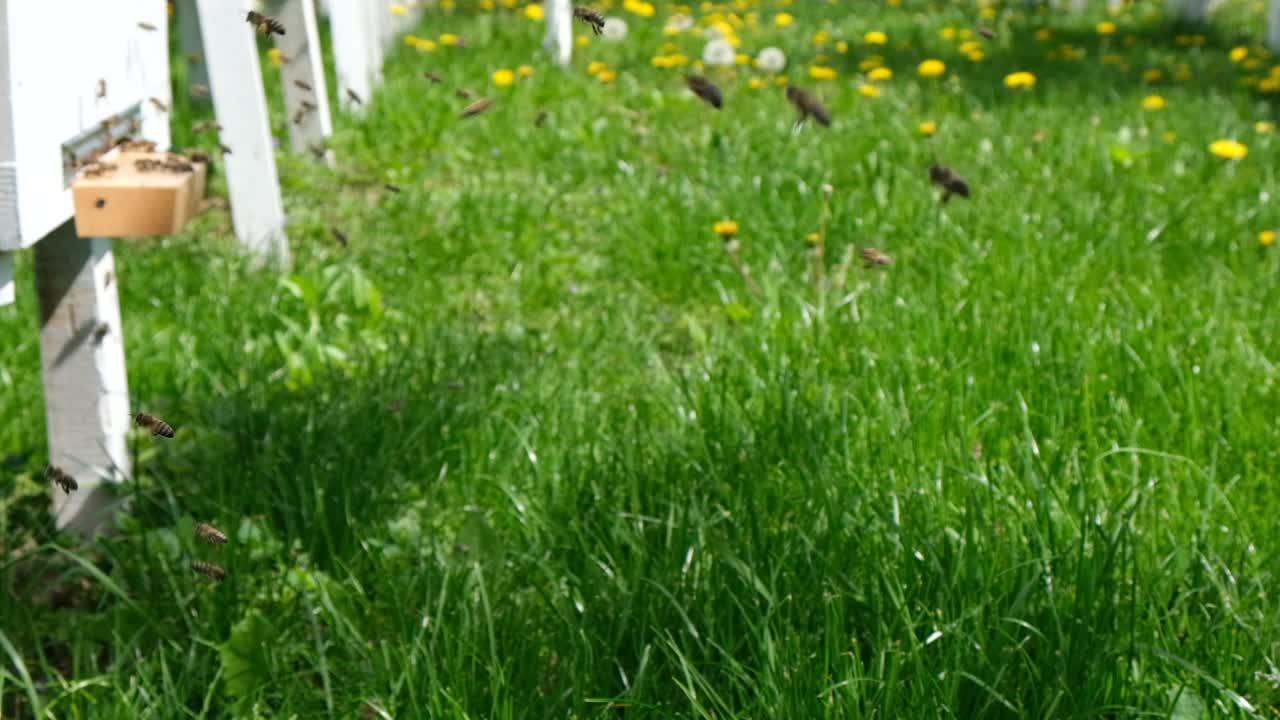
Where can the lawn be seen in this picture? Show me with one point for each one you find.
(535, 444)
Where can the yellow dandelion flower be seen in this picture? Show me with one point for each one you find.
(819, 72)
(1043, 35)
(870, 91)
(1264, 127)
(1238, 54)
(875, 37)
(412, 40)
(755, 83)
(783, 19)
(1153, 102)
(726, 228)
(947, 33)
(1106, 27)
(871, 63)
(931, 68)
(1020, 80)
(813, 238)
(842, 47)
(987, 12)
(595, 66)
(639, 7)
(880, 74)
(1152, 75)
(425, 45)
(821, 37)
(582, 40)
(976, 56)
(525, 71)
(449, 39)
(969, 46)
(1170, 136)
(741, 59)
(1266, 238)
(399, 10)
(534, 11)
(927, 128)
(487, 5)
(1269, 85)
(607, 76)
(964, 33)
(1228, 149)
(503, 77)
(780, 81)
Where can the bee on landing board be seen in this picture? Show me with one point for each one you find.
(706, 90)
(209, 570)
(154, 424)
(590, 16)
(949, 181)
(264, 23)
(211, 534)
(59, 477)
(809, 106)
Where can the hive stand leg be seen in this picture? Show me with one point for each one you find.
(7, 293)
(306, 66)
(235, 81)
(351, 53)
(559, 37)
(86, 391)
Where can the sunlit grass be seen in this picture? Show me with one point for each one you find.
(533, 446)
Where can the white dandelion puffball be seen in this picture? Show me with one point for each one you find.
(718, 52)
(680, 22)
(615, 29)
(771, 59)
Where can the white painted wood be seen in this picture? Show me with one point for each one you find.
(301, 44)
(559, 36)
(49, 95)
(8, 295)
(235, 81)
(1273, 26)
(86, 389)
(373, 15)
(192, 47)
(351, 53)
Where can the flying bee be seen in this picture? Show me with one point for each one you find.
(264, 23)
(102, 88)
(477, 107)
(211, 534)
(986, 32)
(340, 236)
(154, 424)
(200, 90)
(433, 77)
(808, 105)
(59, 477)
(159, 105)
(209, 570)
(100, 332)
(875, 256)
(199, 156)
(302, 85)
(354, 97)
(706, 90)
(949, 181)
(541, 119)
(463, 93)
(147, 26)
(225, 150)
(590, 16)
(206, 126)
(392, 188)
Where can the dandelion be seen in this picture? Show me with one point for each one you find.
(1153, 102)
(615, 29)
(871, 63)
(524, 71)
(1170, 137)
(842, 47)
(595, 66)
(1152, 75)
(425, 45)
(503, 77)
(869, 91)
(927, 128)
(976, 56)
(783, 19)
(880, 74)
(1106, 27)
(947, 33)
(875, 37)
(1238, 54)
(1020, 80)
(771, 59)
(582, 40)
(1228, 149)
(821, 37)
(534, 12)
(638, 7)
(1266, 238)
(607, 76)
(275, 56)
(1264, 127)
(399, 10)
(449, 39)
(718, 52)
(726, 228)
(1043, 35)
(818, 72)
(755, 83)
(969, 46)
(931, 68)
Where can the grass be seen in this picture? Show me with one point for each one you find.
(531, 447)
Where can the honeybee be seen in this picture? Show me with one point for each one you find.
(307, 106)
(209, 570)
(200, 90)
(206, 126)
(211, 534)
(808, 105)
(433, 77)
(299, 116)
(199, 156)
(463, 93)
(264, 23)
(144, 165)
(477, 107)
(986, 32)
(102, 88)
(949, 181)
(590, 16)
(225, 149)
(159, 105)
(706, 90)
(302, 85)
(103, 329)
(354, 97)
(875, 256)
(541, 119)
(147, 26)
(392, 188)
(175, 165)
(154, 424)
(340, 236)
(98, 169)
(130, 145)
(59, 477)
